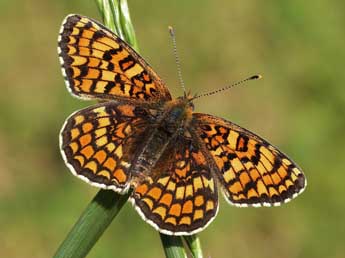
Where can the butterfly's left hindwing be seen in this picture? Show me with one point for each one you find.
(251, 171)
(98, 143)
(98, 64)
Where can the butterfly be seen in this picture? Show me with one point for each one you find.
(138, 137)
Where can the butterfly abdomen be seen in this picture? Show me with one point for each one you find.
(173, 118)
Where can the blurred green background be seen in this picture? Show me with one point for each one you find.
(298, 46)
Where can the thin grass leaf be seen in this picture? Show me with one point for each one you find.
(104, 6)
(194, 245)
(127, 25)
(115, 9)
(91, 225)
(173, 246)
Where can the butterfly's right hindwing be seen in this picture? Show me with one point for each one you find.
(179, 197)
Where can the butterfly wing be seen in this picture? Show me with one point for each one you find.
(252, 171)
(180, 196)
(98, 64)
(98, 143)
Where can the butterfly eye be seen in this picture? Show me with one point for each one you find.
(176, 113)
(191, 105)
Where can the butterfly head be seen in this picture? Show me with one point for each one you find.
(186, 101)
(179, 112)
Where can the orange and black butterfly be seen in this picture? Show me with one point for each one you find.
(138, 137)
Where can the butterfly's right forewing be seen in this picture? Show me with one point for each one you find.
(251, 171)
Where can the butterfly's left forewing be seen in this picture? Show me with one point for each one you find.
(98, 64)
(251, 171)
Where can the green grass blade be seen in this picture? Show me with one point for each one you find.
(127, 25)
(92, 223)
(115, 9)
(193, 242)
(104, 6)
(173, 246)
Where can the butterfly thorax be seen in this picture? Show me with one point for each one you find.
(173, 118)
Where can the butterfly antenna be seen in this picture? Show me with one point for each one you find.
(177, 59)
(254, 77)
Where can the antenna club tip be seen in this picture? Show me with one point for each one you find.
(256, 77)
(171, 30)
